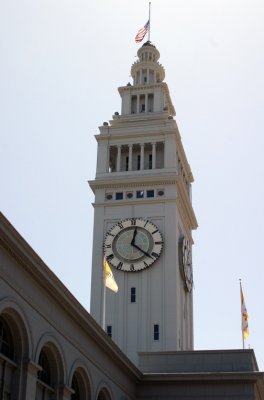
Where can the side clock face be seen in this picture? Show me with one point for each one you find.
(185, 259)
(133, 244)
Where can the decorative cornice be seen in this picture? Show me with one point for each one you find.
(184, 220)
(126, 128)
(183, 157)
(129, 185)
(203, 377)
(185, 205)
(135, 202)
(134, 88)
(131, 181)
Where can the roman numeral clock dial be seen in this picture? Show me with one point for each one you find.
(185, 262)
(133, 244)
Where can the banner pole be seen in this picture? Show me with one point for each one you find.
(149, 21)
(243, 340)
(103, 298)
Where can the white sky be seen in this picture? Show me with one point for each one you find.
(60, 65)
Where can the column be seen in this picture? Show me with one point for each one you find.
(142, 155)
(154, 155)
(170, 150)
(130, 147)
(118, 160)
(102, 157)
(138, 103)
(146, 102)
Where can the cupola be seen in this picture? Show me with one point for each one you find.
(147, 69)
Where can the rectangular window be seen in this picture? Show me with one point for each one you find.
(150, 193)
(140, 194)
(109, 330)
(119, 195)
(156, 332)
(133, 295)
(150, 161)
(138, 162)
(126, 163)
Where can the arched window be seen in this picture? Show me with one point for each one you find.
(6, 340)
(81, 385)
(44, 375)
(104, 395)
(75, 386)
(10, 352)
(47, 375)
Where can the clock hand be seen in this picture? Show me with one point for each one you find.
(134, 236)
(144, 252)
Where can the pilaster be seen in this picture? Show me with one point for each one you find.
(31, 372)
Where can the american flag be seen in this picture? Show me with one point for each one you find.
(142, 32)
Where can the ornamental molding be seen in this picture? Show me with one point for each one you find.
(117, 133)
(139, 137)
(132, 181)
(183, 157)
(185, 206)
(140, 87)
(157, 200)
(184, 219)
(144, 64)
(127, 183)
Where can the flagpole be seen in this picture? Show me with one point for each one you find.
(149, 21)
(103, 298)
(241, 300)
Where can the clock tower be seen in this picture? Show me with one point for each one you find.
(143, 219)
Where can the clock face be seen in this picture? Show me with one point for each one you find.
(185, 259)
(133, 244)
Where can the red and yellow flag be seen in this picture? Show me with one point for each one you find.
(109, 279)
(244, 316)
